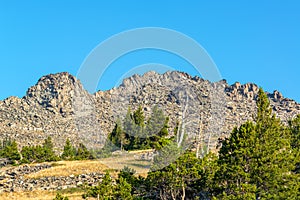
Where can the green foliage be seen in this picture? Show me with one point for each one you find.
(83, 153)
(166, 155)
(45, 153)
(106, 151)
(137, 133)
(118, 136)
(38, 153)
(103, 190)
(128, 174)
(9, 149)
(32, 154)
(184, 178)
(256, 161)
(106, 189)
(136, 183)
(294, 129)
(159, 139)
(294, 126)
(157, 124)
(49, 154)
(233, 177)
(69, 152)
(122, 190)
(259, 160)
(60, 197)
(138, 117)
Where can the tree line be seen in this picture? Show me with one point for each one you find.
(42, 153)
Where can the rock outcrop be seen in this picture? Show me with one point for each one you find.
(58, 106)
(14, 179)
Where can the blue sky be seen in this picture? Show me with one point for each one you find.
(250, 41)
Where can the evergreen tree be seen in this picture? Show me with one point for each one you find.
(128, 174)
(118, 136)
(204, 185)
(233, 179)
(9, 150)
(122, 190)
(69, 152)
(274, 161)
(32, 154)
(141, 135)
(160, 140)
(294, 128)
(49, 154)
(166, 155)
(256, 160)
(103, 190)
(157, 122)
(138, 116)
(177, 180)
(83, 153)
(130, 130)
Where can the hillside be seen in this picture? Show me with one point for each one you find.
(59, 106)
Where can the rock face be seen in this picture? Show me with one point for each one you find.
(59, 107)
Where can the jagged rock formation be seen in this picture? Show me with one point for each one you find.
(59, 107)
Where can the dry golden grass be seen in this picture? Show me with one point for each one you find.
(37, 195)
(141, 151)
(140, 166)
(66, 168)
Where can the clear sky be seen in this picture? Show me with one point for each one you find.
(250, 41)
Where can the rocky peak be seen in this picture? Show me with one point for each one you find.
(276, 96)
(54, 92)
(52, 85)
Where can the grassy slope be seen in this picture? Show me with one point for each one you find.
(66, 168)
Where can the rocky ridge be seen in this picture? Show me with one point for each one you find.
(58, 106)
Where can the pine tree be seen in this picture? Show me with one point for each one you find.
(122, 190)
(256, 160)
(130, 130)
(156, 122)
(128, 174)
(233, 178)
(118, 136)
(83, 153)
(294, 128)
(10, 150)
(176, 180)
(49, 154)
(274, 161)
(69, 151)
(138, 116)
(103, 190)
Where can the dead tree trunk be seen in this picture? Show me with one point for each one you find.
(183, 124)
(199, 138)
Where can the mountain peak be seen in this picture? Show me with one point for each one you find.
(54, 92)
(59, 105)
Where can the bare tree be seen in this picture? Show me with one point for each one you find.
(181, 131)
(199, 137)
